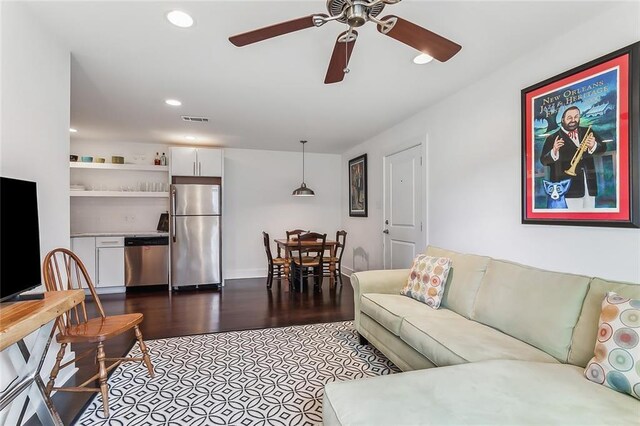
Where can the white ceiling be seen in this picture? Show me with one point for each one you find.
(127, 59)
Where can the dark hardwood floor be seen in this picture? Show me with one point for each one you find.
(240, 305)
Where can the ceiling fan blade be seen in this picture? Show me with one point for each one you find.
(419, 38)
(274, 30)
(340, 56)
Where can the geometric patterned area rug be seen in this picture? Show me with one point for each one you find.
(272, 376)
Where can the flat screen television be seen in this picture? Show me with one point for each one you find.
(19, 237)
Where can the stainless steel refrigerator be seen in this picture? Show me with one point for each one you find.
(194, 229)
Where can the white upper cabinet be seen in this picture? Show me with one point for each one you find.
(209, 162)
(196, 161)
(183, 162)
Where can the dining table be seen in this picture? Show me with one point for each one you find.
(287, 245)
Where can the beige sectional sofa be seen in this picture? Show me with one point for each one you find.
(510, 343)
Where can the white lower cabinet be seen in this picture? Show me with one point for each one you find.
(85, 249)
(103, 257)
(110, 261)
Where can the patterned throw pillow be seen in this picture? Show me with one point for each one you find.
(616, 363)
(427, 278)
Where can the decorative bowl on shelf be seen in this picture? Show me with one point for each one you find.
(86, 159)
(99, 160)
(77, 187)
(116, 159)
(73, 158)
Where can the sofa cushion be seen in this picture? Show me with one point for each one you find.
(463, 280)
(616, 363)
(489, 392)
(389, 309)
(584, 335)
(451, 341)
(533, 305)
(395, 349)
(427, 279)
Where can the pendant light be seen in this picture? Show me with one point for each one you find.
(303, 191)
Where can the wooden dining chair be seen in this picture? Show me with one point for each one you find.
(307, 260)
(63, 270)
(341, 239)
(275, 264)
(292, 235)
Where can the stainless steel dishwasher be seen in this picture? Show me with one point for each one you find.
(146, 261)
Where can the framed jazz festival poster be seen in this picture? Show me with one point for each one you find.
(580, 157)
(358, 186)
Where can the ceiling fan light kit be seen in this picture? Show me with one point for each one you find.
(422, 59)
(356, 13)
(303, 190)
(180, 19)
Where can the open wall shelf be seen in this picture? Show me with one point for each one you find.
(111, 166)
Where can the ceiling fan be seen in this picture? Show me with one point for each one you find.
(356, 13)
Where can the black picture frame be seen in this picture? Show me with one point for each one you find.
(358, 199)
(605, 95)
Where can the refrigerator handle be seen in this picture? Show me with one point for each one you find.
(194, 168)
(199, 168)
(173, 212)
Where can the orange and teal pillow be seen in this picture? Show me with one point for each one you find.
(427, 278)
(616, 361)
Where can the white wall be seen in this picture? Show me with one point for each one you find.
(473, 167)
(257, 197)
(117, 214)
(257, 188)
(34, 132)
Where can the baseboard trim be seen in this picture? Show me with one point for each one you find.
(234, 274)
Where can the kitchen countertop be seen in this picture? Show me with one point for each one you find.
(121, 234)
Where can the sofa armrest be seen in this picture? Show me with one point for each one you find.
(388, 281)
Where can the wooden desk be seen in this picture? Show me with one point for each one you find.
(17, 321)
(289, 245)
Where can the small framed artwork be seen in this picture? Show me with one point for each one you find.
(358, 186)
(580, 131)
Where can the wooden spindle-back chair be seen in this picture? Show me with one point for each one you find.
(63, 270)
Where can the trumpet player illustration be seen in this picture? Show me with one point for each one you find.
(568, 152)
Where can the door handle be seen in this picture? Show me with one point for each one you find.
(173, 211)
(199, 168)
(173, 231)
(386, 231)
(194, 168)
(173, 200)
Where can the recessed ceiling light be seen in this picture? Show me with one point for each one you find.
(190, 138)
(173, 102)
(180, 19)
(422, 59)
(72, 130)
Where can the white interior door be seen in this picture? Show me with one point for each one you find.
(403, 235)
